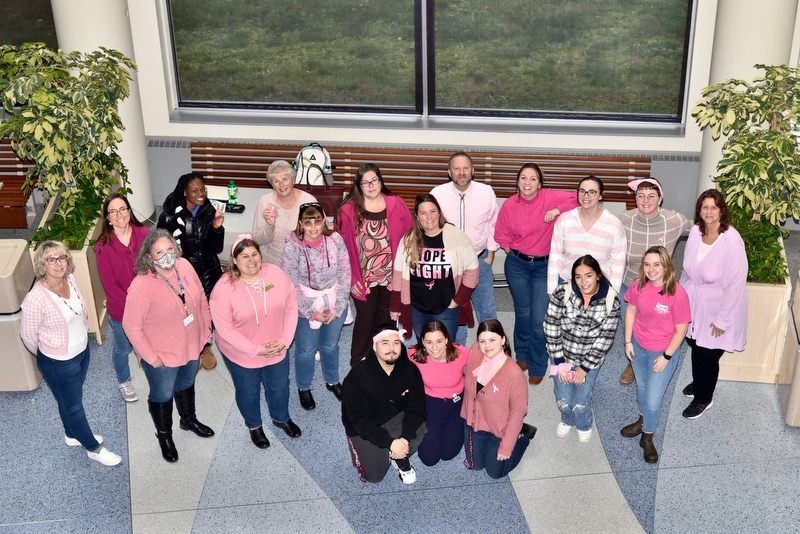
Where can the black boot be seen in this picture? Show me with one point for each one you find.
(161, 412)
(185, 402)
(633, 429)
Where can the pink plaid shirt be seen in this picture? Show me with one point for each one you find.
(43, 324)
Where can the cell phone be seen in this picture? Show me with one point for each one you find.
(234, 208)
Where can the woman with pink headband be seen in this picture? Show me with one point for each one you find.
(254, 309)
(647, 226)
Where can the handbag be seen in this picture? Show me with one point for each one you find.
(328, 195)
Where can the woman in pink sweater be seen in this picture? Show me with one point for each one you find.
(524, 230)
(168, 323)
(254, 308)
(495, 401)
(441, 363)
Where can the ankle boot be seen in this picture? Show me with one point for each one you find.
(185, 403)
(161, 412)
(650, 452)
(633, 429)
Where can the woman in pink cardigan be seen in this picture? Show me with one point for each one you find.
(714, 276)
(371, 221)
(254, 309)
(54, 327)
(168, 323)
(495, 401)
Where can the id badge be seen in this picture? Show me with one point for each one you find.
(188, 320)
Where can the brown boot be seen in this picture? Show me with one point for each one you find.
(633, 429)
(627, 376)
(650, 452)
(208, 358)
(522, 365)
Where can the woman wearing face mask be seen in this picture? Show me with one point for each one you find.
(579, 327)
(168, 321)
(197, 227)
(524, 231)
(315, 260)
(656, 321)
(441, 363)
(254, 309)
(495, 402)
(116, 250)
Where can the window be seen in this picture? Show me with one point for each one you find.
(28, 22)
(619, 59)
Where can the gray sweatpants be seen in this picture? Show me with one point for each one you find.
(372, 461)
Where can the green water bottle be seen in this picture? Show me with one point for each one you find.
(233, 193)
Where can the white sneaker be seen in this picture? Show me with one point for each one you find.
(409, 476)
(105, 457)
(72, 442)
(562, 429)
(584, 435)
(127, 391)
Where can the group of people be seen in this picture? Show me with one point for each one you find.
(572, 267)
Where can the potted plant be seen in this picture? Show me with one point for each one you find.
(759, 176)
(60, 110)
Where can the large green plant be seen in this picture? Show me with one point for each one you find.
(759, 172)
(60, 111)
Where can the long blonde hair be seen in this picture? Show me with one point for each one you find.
(413, 240)
(668, 282)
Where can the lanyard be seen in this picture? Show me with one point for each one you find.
(179, 293)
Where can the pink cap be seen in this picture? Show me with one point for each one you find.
(634, 185)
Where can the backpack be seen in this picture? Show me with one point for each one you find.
(313, 166)
(609, 298)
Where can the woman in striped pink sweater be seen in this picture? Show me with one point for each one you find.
(588, 229)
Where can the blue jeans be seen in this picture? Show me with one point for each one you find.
(528, 285)
(248, 387)
(481, 450)
(308, 340)
(622, 304)
(482, 299)
(650, 386)
(575, 401)
(445, 435)
(122, 348)
(166, 381)
(65, 379)
(449, 317)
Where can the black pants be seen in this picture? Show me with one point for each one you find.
(705, 371)
(369, 314)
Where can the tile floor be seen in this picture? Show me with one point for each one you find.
(736, 469)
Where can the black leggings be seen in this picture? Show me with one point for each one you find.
(705, 371)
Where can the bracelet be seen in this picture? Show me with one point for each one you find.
(666, 357)
(629, 342)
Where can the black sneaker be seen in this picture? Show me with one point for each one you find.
(689, 390)
(693, 411)
(336, 389)
(528, 431)
(306, 399)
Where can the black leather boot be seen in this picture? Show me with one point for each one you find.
(185, 403)
(161, 412)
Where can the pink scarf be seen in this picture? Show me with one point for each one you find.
(489, 368)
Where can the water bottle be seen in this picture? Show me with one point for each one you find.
(233, 193)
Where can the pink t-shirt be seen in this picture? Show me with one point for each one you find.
(657, 315)
(442, 379)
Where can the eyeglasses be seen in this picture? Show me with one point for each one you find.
(651, 196)
(309, 205)
(591, 193)
(121, 211)
(308, 223)
(53, 260)
(370, 183)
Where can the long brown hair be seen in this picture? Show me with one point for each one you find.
(494, 326)
(669, 283)
(421, 355)
(413, 240)
(356, 195)
(719, 201)
(108, 228)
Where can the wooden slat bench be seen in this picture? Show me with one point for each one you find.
(409, 172)
(12, 200)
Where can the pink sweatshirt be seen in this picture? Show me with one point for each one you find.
(154, 317)
(521, 225)
(443, 379)
(245, 320)
(502, 403)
